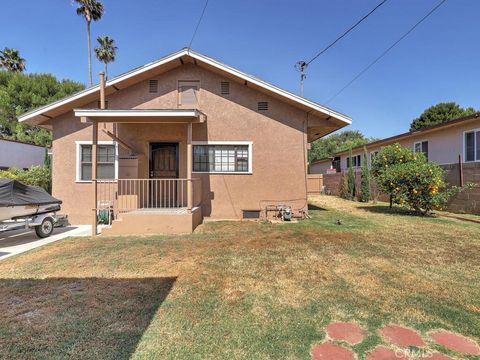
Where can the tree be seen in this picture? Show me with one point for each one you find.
(440, 113)
(351, 178)
(106, 52)
(334, 143)
(90, 10)
(11, 60)
(411, 180)
(20, 93)
(365, 184)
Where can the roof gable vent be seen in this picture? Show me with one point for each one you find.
(153, 86)
(225, 88)
(262, 106)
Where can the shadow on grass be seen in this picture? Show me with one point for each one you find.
(385, 209)
(79, 318)
(315, 207)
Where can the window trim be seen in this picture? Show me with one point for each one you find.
(250, 160)
(475, 131)
(421, 142)
(78, 163)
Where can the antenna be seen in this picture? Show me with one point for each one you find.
(301, 66)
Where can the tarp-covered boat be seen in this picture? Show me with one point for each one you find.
(20, 200)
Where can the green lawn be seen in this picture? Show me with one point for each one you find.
(242, 290)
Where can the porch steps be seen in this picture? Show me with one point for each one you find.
(155, 221)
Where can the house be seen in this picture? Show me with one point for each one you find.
(179, 140)
(442, 143)
(20, 155)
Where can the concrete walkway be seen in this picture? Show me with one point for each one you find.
(18, 241)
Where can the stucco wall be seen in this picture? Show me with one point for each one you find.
(20, 155)
(278, 138)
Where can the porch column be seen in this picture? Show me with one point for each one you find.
(94, 176)
(189, 168)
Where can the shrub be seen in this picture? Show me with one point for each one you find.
(411, 180)
(343, 191)
(35, 175)
(365, 184)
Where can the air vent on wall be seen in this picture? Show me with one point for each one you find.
(262, 105)
(106, 104)
(153, 86)
(225, 88)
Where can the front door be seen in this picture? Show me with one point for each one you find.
(163, 161)
(164, 172)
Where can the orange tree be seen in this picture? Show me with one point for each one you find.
(411, 180)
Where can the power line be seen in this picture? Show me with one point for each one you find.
(198, 24)
(386, 51)
(347, 31)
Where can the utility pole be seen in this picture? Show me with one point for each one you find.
(301, 66)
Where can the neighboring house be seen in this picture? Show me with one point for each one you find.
(442, 143)
(181, 139)
(20, 155)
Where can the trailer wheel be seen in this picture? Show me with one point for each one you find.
(45, 229)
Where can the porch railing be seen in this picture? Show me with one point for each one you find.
(125, 195)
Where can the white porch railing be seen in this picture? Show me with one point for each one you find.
(125, 195)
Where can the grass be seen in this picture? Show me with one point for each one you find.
(242, 290)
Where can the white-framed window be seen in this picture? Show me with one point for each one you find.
(471, 145)
(188, 92)
(229, 157)
(107, 161)
(421, 147)
(356, 161)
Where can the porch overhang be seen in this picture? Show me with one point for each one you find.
(172, 116)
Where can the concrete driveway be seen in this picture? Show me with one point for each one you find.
(18, 241)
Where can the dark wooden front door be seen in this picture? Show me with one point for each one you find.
(163, 161)
(164, 191)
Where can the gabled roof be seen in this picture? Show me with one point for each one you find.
(406, 135)
(47, 112)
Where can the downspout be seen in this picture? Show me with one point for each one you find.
(305, 160)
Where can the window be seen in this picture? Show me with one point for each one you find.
(222, 157)
(472, 145)
(357, 159)
(106, 161)
(421, 147)
(188, 92)
(336, 163)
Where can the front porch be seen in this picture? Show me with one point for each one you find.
(157, 196)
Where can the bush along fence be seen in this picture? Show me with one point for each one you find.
(405, 178)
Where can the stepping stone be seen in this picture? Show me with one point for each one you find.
(382, 353)
(327, 351)
(455, 342)
(401, 336)
(436, 356)
(351, 333)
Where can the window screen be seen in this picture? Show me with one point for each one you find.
(105, 162)
(220, 158)
(422, 147)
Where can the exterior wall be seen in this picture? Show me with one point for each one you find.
(320, 167)
(278, 150)
(20, 155)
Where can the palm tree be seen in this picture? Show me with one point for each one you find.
(106, 52)
(11, 60)
(90, 10)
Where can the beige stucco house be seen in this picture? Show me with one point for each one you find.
(179, 140)
(442, 143)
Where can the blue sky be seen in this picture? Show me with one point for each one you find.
(439, 61)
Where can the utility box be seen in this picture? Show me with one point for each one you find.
(128, 167)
